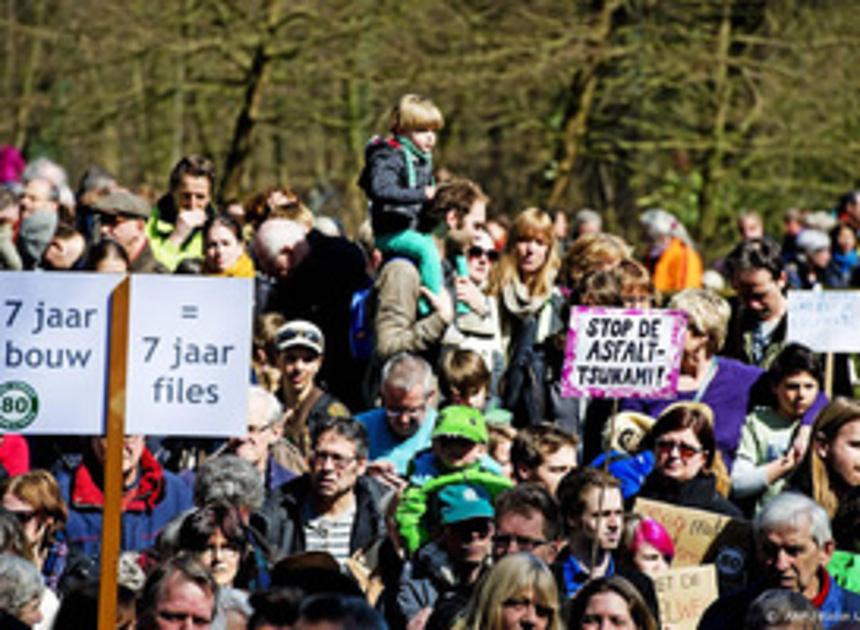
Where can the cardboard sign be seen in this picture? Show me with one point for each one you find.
(684, 594)
(704, 537)
(623, 353)
(53, 351)
(189, 355)
(825, 321)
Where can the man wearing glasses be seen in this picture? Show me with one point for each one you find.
(527, 520)
(122, 217)
(333, 508)
(404, 424)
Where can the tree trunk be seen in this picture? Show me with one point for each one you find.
(714, 169)
(28, 79)
(256, 81)
(583, 88)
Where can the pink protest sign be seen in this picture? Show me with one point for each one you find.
(623, 353)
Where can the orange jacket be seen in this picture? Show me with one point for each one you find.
(679, 267)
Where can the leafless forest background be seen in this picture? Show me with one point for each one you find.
(704, 108)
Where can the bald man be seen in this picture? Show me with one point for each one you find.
(313, 277)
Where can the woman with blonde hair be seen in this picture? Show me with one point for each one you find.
(832, 465)
(529, 312)
(519, 592)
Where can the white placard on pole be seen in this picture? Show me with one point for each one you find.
(189, 355)
(53, 350)
(825, 321)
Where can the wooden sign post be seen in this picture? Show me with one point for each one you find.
(112, 509)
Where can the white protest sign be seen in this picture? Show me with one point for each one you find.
(53, 351)
(623, 353)
(189, 355)
(825, 321)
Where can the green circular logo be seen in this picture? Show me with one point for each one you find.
(19, 405)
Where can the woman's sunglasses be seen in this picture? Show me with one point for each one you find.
(476, 252)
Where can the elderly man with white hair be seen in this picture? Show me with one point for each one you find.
(313, 277)
(794, 543)
(265, 424)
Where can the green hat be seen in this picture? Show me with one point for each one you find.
(462, 502)
(463, 422)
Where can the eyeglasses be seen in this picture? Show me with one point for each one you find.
(109, 220)
(524, 543)
(471, 527)
(686, 451)
(412, 412)
(338, 460)
(520, 604)
(25, 516)
(477, 252)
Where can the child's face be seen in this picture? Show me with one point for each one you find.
(795, 394)
(846, 240)
(455, 453)
(502, 455)
(475, 400)
(424, 139)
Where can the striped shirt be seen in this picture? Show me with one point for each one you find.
(330, 534)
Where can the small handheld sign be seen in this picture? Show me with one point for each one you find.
(189, 353)
(623, 353)
(684, 594)
(52, 348)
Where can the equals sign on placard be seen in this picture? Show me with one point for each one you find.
(189, 311)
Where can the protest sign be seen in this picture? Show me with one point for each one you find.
(825, 321)
(623, 353)
(704, 537)
(683, 594)
(189, 355)
(53, 349)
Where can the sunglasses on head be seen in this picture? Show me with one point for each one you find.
(477, 252)
(291, 333)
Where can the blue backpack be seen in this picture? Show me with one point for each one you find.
(362, 311)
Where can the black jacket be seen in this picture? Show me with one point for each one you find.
(394, 204)
(283, 516)
(699, 492)
(320, 290)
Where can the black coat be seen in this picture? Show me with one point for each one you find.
(283, 516)
(699, 493)
(320, 290)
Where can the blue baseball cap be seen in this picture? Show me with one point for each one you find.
(461, 502)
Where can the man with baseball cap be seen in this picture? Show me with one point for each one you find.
(447, 569)
(122, 217)
(301, 347)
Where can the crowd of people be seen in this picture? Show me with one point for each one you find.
(410, 461)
